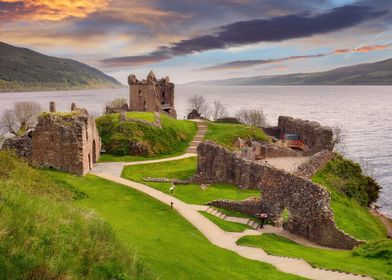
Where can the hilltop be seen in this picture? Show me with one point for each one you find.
(22, 69)
(377, 73)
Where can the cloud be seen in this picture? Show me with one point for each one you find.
(365, 49)
(249, 63)
(48, 10)
(254, 31)
(239, 64)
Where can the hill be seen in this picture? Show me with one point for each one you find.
(377, 73)
(22, 69)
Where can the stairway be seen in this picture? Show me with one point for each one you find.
(247, 221)
(202, 130)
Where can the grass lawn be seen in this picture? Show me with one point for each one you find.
(225, 225)
(169, 246)
(182, 169)
(147, 116)
(226, 134)
(330, 259)
(114, 158)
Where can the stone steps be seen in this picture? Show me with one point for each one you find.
(202, 130)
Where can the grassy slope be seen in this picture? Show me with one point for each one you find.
(44, 236)
(171, 247)
(182, 169)
(225, 225)
(172, 139)
(226, 134)
(350, 216)
(330, 259)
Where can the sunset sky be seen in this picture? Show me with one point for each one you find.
(201, 40)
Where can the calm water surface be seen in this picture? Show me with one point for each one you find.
(365, 113)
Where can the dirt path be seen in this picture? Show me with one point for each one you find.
(202, 130)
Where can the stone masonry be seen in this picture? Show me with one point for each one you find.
(151, 95)
(66, 141)
(315, 136)
(308, 203)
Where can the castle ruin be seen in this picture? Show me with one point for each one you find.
(151, 95)
(66, 141)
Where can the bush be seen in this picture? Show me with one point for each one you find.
(346, 177)
(380, 249)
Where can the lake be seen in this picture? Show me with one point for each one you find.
(364, 113)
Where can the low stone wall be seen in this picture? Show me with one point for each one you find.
(168, 180)
(308, 203)
(250, 206)
(264, 150)
(315, 136)
(156, 123)
(21, 145)
(313, 164)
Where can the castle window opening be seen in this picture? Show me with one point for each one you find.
(140, 93)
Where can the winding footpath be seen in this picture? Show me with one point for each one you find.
(217, 236)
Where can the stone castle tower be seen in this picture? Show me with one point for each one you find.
(151, 95)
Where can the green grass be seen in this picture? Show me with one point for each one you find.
(225, 225)
(147, 116)
(170, 246)
(182, 169)
(330, 259)
(142, 140)
(114, 158)
(350, 215)
(44, 236)
(226, 134)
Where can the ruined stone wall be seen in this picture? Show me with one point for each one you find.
(258, 151)
(315, 136)
(66, 141)
(314, 164)
(307, 202)
(21, 145)
(249, 206)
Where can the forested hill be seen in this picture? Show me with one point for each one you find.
(22, 69)
(377, 73)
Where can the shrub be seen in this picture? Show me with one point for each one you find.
(380, 249)
(345, 176)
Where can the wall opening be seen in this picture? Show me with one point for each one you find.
(89, 162)
(285, 216)
(94, 152)
(140, 93)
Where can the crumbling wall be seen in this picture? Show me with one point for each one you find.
(21, 145)
(258, 151)
(315, 136)
(66, 141)
(313, 164)
(307, 202)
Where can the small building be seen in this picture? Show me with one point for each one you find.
(151, 95)
(67, 141)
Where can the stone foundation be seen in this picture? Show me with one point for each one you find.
(308, 203)
(314, 164)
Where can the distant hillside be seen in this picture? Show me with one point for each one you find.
(22, 69)
(377, 73)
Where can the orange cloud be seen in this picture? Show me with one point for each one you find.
(371, 48)
(54, 10)
(341, 51)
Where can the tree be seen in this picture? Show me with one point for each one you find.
(21, 118)
(254, 117)
(218, 111)
(198, 103)
(116, 105)
(338, 139)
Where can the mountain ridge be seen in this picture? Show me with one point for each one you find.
(22, 69)
(375, 73)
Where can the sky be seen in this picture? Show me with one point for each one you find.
(191, 40)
